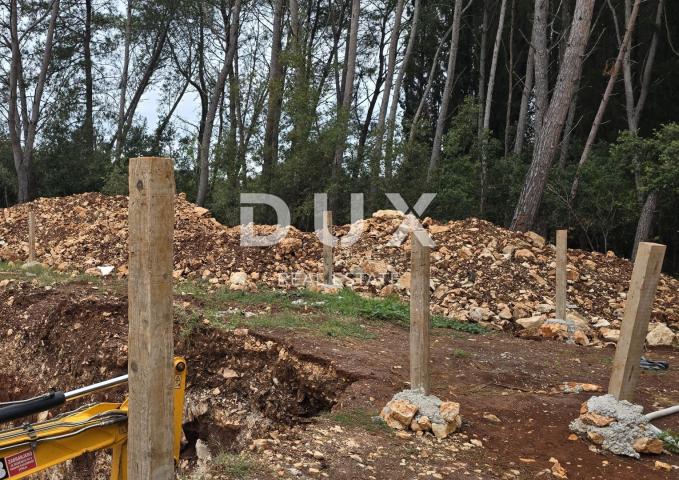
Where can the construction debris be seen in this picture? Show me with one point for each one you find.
(419, 413)
(480, 272)
(617, 426)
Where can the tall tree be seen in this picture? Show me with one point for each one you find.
(489, 104)
(348, 90)
(24, 124)
(88, 122)
(391, 65)
(447, 91)
(554, 119)
(273, 115)
(233, 20)
(391, 119)
(624, 46)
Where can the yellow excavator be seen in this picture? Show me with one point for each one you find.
(35, 447)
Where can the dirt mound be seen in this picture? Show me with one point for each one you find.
(480, 272)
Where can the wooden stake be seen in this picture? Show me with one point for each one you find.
(31, 235)
(328, 258)
(634, 328)
(419, 316)
(151, 226)
(561, 265)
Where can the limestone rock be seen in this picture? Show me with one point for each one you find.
(524, 254)
(388, 214)
(531, 322)
(238, 279)
(404, 281)
(443, 430)
(650, 445)
(610, 334)
(596, 438)
(661, 336)
(537, 240)
(421, 424)
(399, 414)
(449, 411)
(596, 419)
(375, 268)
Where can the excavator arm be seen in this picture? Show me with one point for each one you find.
(35, 447)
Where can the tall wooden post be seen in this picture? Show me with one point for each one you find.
(328, 258)
(634, 328)
(31, 235)
(561, 279)
(151, 226)
(420, 295)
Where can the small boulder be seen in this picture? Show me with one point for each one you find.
(650, 445)
(596, 419)
(449, 411)
(399, 414)
(523, 254)
(610, 334)
(660, 336)
(531, 322)
(537, 240)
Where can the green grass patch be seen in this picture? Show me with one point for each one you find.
(330, 326)
(390, 309)
(459, 353)
(45, 276)
(339, 315)
(238, 466)
(357, 419)
(671, 440)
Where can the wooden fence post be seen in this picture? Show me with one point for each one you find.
(31, 235)
(151, 227)
(561, 279)
(634, 327)
(328, 259)
(420, 378)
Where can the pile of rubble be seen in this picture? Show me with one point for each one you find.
(411, 410)
(480, 272)
(617, 426)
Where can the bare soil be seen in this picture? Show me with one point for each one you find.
(311, 397)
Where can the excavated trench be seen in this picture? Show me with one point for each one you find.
(240, 387)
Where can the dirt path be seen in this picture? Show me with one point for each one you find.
(72, 334)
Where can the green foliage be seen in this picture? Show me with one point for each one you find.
(356, 418)
(237, 466)
(339, 315)
(662, 173)
(671, 440)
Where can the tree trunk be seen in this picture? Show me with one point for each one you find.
(391, 65)
(204, 177)
(624, 47)
(447, 91)
(391, 119)
(427, 89)
(348, 92)
(522, 122)
(552, 128)
(124, 78)
(510, 79)
(482, 67)
(88, 123)
(648, 210)
(489, 104)
(568, 130)
(365, 130)
(539, 41)
(645, 224)
(273, 115)
(23, 155)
